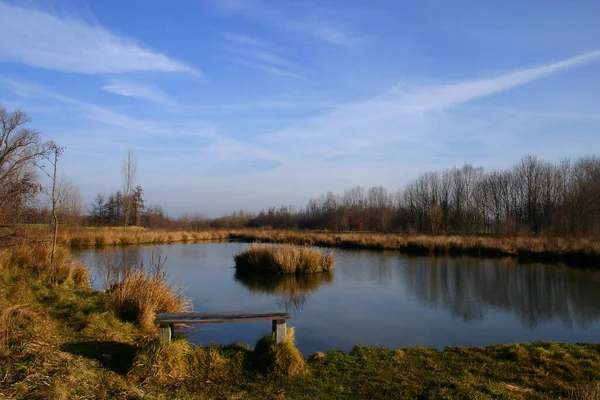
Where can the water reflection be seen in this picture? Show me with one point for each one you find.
(535, 293)
(291, 290)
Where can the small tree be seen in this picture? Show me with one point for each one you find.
(52, 158)
(129, 175)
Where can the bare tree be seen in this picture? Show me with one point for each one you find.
(21, 149)
(129, 174)
(69, 201)
(52, 158)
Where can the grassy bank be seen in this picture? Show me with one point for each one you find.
(535, 248)
(59, 339)
(89, 237)
(283, 259)
(574, 250)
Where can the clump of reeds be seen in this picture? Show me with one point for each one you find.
(36, 258)
(280, 359)
(139, 295)
(284, 259)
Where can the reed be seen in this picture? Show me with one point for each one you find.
(139, 295)
(35, 258)
(284, 259)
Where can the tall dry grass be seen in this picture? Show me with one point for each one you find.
(284, 259)
(138, 294)
(571, 249)
(35, 258)
(87, 237)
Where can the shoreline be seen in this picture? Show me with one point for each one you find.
(534, 249)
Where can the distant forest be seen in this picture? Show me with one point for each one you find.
(530, 197)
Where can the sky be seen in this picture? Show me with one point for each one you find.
(245, 104)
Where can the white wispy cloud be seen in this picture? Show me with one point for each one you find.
(139, 90)
(306, 23)
(217, 143)
(256, 54)
(37, 38)
(403, 101)
(403, 125)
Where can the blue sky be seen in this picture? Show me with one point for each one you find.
(231, 104)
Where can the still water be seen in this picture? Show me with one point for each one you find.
(382, 298)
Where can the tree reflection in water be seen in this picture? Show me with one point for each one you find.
(292, 290)
(469, 288)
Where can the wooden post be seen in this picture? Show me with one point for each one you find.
(165, 332)
(279, 330)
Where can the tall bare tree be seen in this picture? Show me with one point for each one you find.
(52, 158)
(129, 175)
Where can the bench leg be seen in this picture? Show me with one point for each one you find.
(279, 331)
(165, 332)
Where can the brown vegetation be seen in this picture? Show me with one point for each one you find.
(530, 247)
(283, 259)
(280, 359)
(36, 258)
(86, 237)
(137, 295)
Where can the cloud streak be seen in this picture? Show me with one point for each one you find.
(256, 54)
(403, 123)
(129, 88)
(35, 38)
(402, 101)
(305, 23)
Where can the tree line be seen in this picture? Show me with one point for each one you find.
(531, 197)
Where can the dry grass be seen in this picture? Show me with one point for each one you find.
(135, 294)
(284, 259)
(280, 359)
(181, 362)
(575, 249)
(86, 237)
(36, 259)
(543, 248)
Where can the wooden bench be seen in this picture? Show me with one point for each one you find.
(166, 321)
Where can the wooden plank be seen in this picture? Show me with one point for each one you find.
(164, 333)
(280, 330)
(213, 318)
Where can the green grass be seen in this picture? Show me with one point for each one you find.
(63, 341)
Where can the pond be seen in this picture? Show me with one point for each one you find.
(382, 298)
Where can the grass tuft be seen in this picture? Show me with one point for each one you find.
(137, 295)
(162, 362)
(284, 259)
(280, 359)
